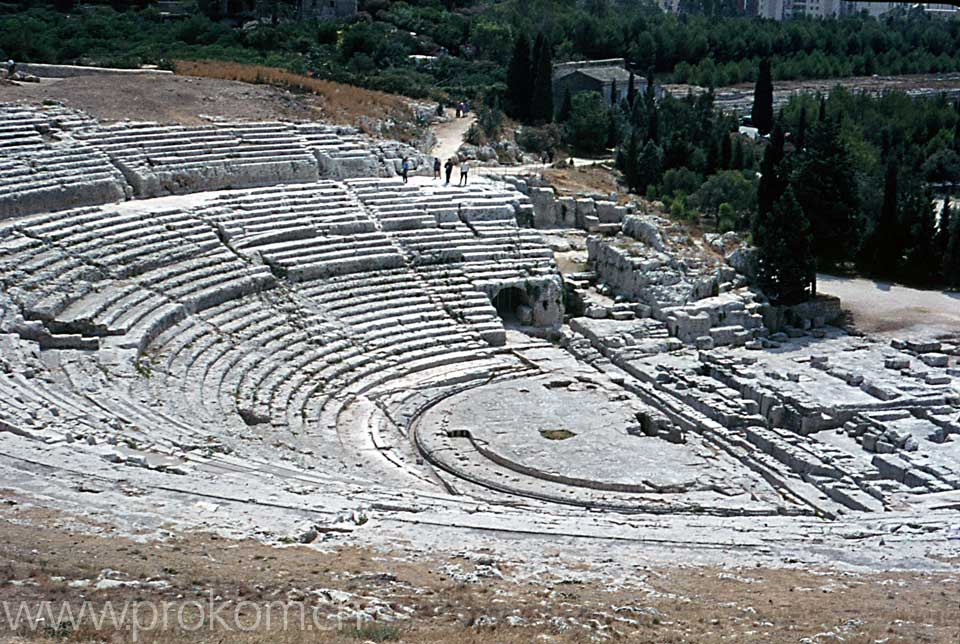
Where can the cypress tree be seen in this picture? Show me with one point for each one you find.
(772, 183)
(713, 156)
(649, 166)
(884, 250)
(631, 159)
(800, 138)
(786, 267)
(956, 126)
(538, 44)
(726, 151)
(613, 92)
(612, 130)
(649, 94)
(519, 81)
(653, 124)
(827, 189)
(737, 162)
(632, 90)
(762, 112)
(541, 108)
(566, 107)
(943, 230)
(951, 266)
(921, 265)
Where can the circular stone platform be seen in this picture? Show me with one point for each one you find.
(567, 430)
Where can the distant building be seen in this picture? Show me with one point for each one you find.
(328, 9)
(601, 76)
(880, 8)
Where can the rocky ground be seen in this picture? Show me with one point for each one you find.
(473, 596)
(195, 100)
(165, 98)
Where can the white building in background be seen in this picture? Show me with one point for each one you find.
(880, 8)
(784, 9)
(813, 8)
(771, 9)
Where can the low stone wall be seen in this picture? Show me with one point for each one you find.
(593, 213)
(44, 70)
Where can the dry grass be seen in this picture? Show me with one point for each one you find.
(569, 181)
(706, 605)
(338, 103)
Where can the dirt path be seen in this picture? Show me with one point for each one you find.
(890, 309)
(450, 135)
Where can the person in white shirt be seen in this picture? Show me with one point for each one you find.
(464, 170)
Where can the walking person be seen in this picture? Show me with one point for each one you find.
(464, 171)
(449, 168)
(436, 168)
(405, 169)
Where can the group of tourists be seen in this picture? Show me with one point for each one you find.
(448, 167)
(463, 108)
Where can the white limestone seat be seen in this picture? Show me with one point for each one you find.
(164, 159)
(54, 176)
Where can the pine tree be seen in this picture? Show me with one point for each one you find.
(519, 80)
(826, 188)
(762, 112)
(786, 266)
(541, 108)
(632, 90)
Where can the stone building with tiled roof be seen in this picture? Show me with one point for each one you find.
(601, 76)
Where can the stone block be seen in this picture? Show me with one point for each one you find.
(935, 359)
(879, 392)
(897, 363)
(704, 343)
(922, 346)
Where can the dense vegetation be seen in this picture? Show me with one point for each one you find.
(842, 183)
(709, 45)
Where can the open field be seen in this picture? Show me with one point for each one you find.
(201, 91)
